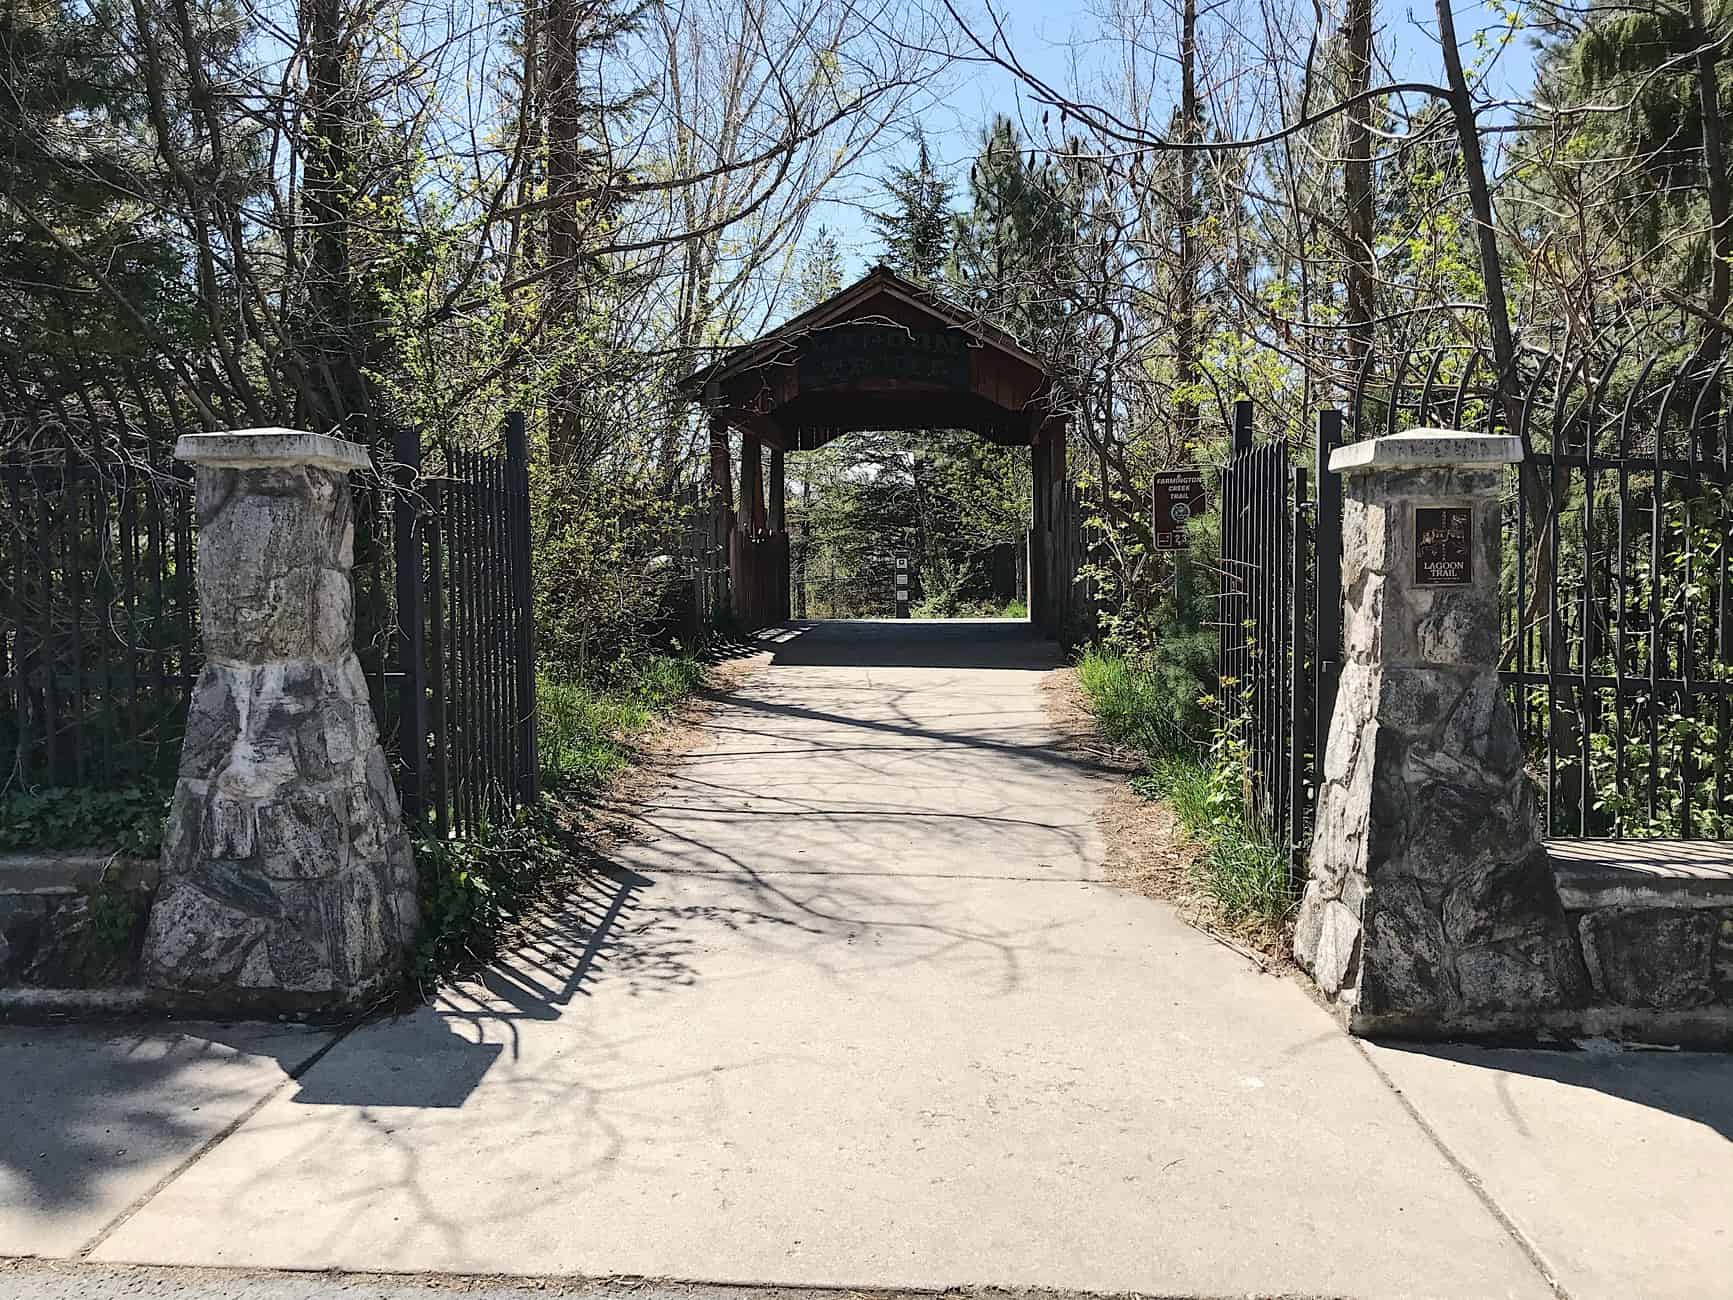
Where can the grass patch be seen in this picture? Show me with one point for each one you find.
(584, 732)
(1133, 706)
(1242, 871)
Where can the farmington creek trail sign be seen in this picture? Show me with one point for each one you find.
(1179, 497)
(1443, 546)
(848, 354)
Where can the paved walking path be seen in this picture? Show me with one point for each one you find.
(857, 1010)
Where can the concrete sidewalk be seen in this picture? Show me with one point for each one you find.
(857, 1011)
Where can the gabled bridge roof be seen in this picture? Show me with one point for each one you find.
(884, 353)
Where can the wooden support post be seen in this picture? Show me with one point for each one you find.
(1038, 545)
(751, 484)
(778, 492)
(1062, 590)
(721, 474)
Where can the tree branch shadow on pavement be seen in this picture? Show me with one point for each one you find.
(87, 1103)
(1696, 1086)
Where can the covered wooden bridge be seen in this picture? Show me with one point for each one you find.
(882, 354)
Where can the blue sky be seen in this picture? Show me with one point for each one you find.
(1044, 31)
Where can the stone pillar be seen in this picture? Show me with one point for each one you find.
(287, 879)
(1430, 907)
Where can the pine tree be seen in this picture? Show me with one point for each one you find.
(820, 273)
(1008, 242)
(917, 229)
(77, 231)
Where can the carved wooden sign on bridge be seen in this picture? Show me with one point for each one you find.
(850, 354)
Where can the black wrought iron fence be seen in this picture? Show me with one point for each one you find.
(465, 616)
(1618, 623)
(1617, 599)
(1280, 621)
(99, 643)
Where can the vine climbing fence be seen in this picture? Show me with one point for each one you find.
(1617, 605)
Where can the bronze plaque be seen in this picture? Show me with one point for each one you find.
(845, 355)
(1179, 498)
(1443, 546)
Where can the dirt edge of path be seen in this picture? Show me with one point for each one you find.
(1146, 850)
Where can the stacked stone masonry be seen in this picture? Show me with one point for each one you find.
(287, 878)
(1431, 907)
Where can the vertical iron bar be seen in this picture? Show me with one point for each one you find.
(440, 683)
(72, 529)
(129, 597)
(1621, 613)
(495, 638)
(50, 687)
(471, 676)
(108, 725)
(406, 528)
(1585, 787)
(529, 763)
(1327, 546)
(27, 742)
(1656, 550)
(1557, 674)
(1301, 705)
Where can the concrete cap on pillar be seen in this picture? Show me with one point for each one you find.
(268, 448)
(1427, 448)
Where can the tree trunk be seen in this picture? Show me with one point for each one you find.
(1716, 183)
(565, 166)
(330, 342)
(1357, 182)
(1185, 338)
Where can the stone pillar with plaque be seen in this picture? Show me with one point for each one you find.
(1429, 904)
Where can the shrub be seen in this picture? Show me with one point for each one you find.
(128, 820)
(472, 889)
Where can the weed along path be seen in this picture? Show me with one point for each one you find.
(855, 1009)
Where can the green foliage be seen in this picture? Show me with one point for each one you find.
(953, 501)
(1241, 869)
(473, 889)
(128, 820)
(1138, 708)
(1019, 219)
(604, 572)
(1160, 635)
(74, 156)
(584, 730)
